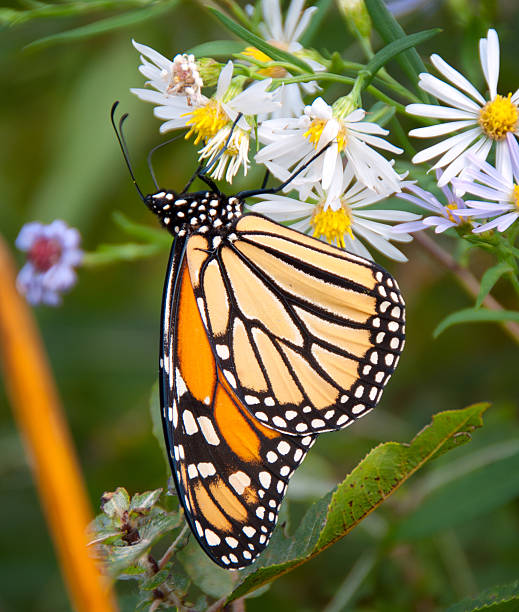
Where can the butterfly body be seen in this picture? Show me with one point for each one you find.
(202, 211)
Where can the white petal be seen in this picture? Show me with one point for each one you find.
(456, 78)
(438, 112)
(490, 50)
(440, 129)
(224, 80)
(445, 145)
(153, 55)
(447, 93)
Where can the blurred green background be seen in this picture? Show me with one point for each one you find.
(451, 532)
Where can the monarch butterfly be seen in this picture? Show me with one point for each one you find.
(268, 338)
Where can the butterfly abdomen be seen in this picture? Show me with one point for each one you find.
(201, 211)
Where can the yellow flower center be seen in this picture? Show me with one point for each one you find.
(332, 224)
(515, 196)
(498, 117)
(206, 121)
(449, 207)
(313, 133)
(275, 72)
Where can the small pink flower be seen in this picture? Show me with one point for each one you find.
(52, 254)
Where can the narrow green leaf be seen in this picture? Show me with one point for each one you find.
(104, 25)
(394, 48)
(489, 279)
(473, 315)
(381, 473)
(259, 43)
(389, 30)
(143, 232)
(501, 598)
(217, 48)
(316, 21)
(155, 581)
(112, 253)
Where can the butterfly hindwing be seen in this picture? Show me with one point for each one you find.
(306, 334)
(230, 470)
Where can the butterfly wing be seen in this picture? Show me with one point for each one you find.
(306, 334)
(231, 471)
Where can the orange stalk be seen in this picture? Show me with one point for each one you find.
(37, 409)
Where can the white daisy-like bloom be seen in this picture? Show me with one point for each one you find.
(444, 215)
(177, 81)
(499, 193)
(210, 120)
(346, 220)
(291, 142)
(476, 122)
(285, 35)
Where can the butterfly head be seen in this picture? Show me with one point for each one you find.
(201, 211)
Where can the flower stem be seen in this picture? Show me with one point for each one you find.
(466, 279)
(37, 409)
(167, 555)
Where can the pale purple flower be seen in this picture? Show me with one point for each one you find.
(444, 216)
(52, 254)
(498, 191)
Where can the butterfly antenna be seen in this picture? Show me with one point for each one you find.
(122, 143)
(150, 154)
(253, 192)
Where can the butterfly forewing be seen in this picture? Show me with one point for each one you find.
(306, 334)
(230, 470)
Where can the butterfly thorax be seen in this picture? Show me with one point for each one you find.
(201, 211)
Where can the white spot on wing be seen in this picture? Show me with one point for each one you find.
(208, 430)
(212, 538)
(189, 422)
(239, 482)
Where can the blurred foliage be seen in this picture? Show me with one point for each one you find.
(449, 534)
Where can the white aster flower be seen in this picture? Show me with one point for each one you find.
(476, 122)
(291, 142)
(347, 221)
(444, 215)
(499, 193)
(210, 120)
(285, 35)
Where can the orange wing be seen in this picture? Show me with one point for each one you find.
(306, 334)
(230, 470)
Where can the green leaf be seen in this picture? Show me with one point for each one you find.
(217, 48)
(212, 580)
(473, 315)
(381, 473)
(113, 253)
(501, 598)
(389, 30)
(394, 48)
(273, 52)
(116, 504)
(143, 232)
(155, 581)
(316, 21)
(462, 499)
(144, 501)
(490, 278)
(102, 26)
(157, 524)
